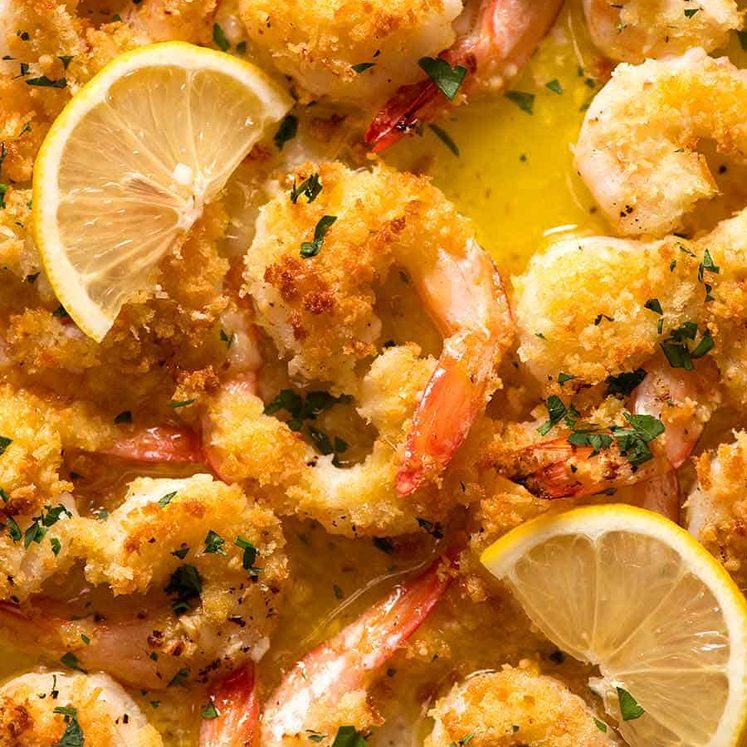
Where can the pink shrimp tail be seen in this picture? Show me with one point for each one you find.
(235, 699)
(160, 444)
(404, 113)
(346, 662)
(442, 421)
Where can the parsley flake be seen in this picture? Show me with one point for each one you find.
(349, 736)
(629, 708)
(525, 101)
(219, 37)
(287, 130)
(312, 248)
(448, 79)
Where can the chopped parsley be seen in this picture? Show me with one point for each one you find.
(384, 544)
(632, 441)
(690, 12)
(361, 67)
(557, 411)
(65, 59)
(563, 377)
(623, 384)
(166, 499)
(287, 130)
(600, 725)
(48, 517)
(214, 543)
(310, 188)
(186, 585)
(466, 740)
(4, 443)
(448, 79)
(434, 529)
(70, 660)
(14, 531)
(554, 86)
(182, 551)
(73, 734)
(45, 82)
(653, 304)
(629, 708)
(250, 555)
(209, 711)
(312, 248)
(678, 348)
(56, 545)
(219, 37)
(445, 138)
(179, 678)
(707, 265)
(525, 101)
(176, 404)
(226, 338)
(349, 736)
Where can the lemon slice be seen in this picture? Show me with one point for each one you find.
(128, 166)
(635, 594)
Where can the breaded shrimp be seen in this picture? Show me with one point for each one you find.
(633, 30)
(637, 149)
(580, 307)
(589, 307)
(44, 708)
(328, 688)
(716, 509)
(243, 444)
(316, 299)
(319, 44)
(495, 38)
(515, 708)
(205, 562)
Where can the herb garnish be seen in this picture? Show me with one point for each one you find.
(445, 138)
(214, 543)
(448, 79)
(629, 708)
(623, 384)
(185, 583)
(677, 346)
(361, 67)
(310, 188)
(250, 555)
(525, 101)
(73, 734)
(286, 131)
(220, 39)
(312, 248)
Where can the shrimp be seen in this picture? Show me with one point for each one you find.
(329, 686)
(637, 147)
(51, 707)
(495, 38)
(515, 707)
(323, 45)
(716, 509)
(166, 20)
(237, 704)
(319, 310)
(634, 30)
(681, 401)
(211, 563)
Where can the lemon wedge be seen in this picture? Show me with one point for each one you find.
(129, 164)
(633, 593)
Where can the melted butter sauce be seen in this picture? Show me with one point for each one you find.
(515, 178)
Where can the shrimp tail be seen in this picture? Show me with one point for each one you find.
(443, 418)
(556, 469)
(160, 444)
(235, 699)
(346, 662)
(407, 111)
